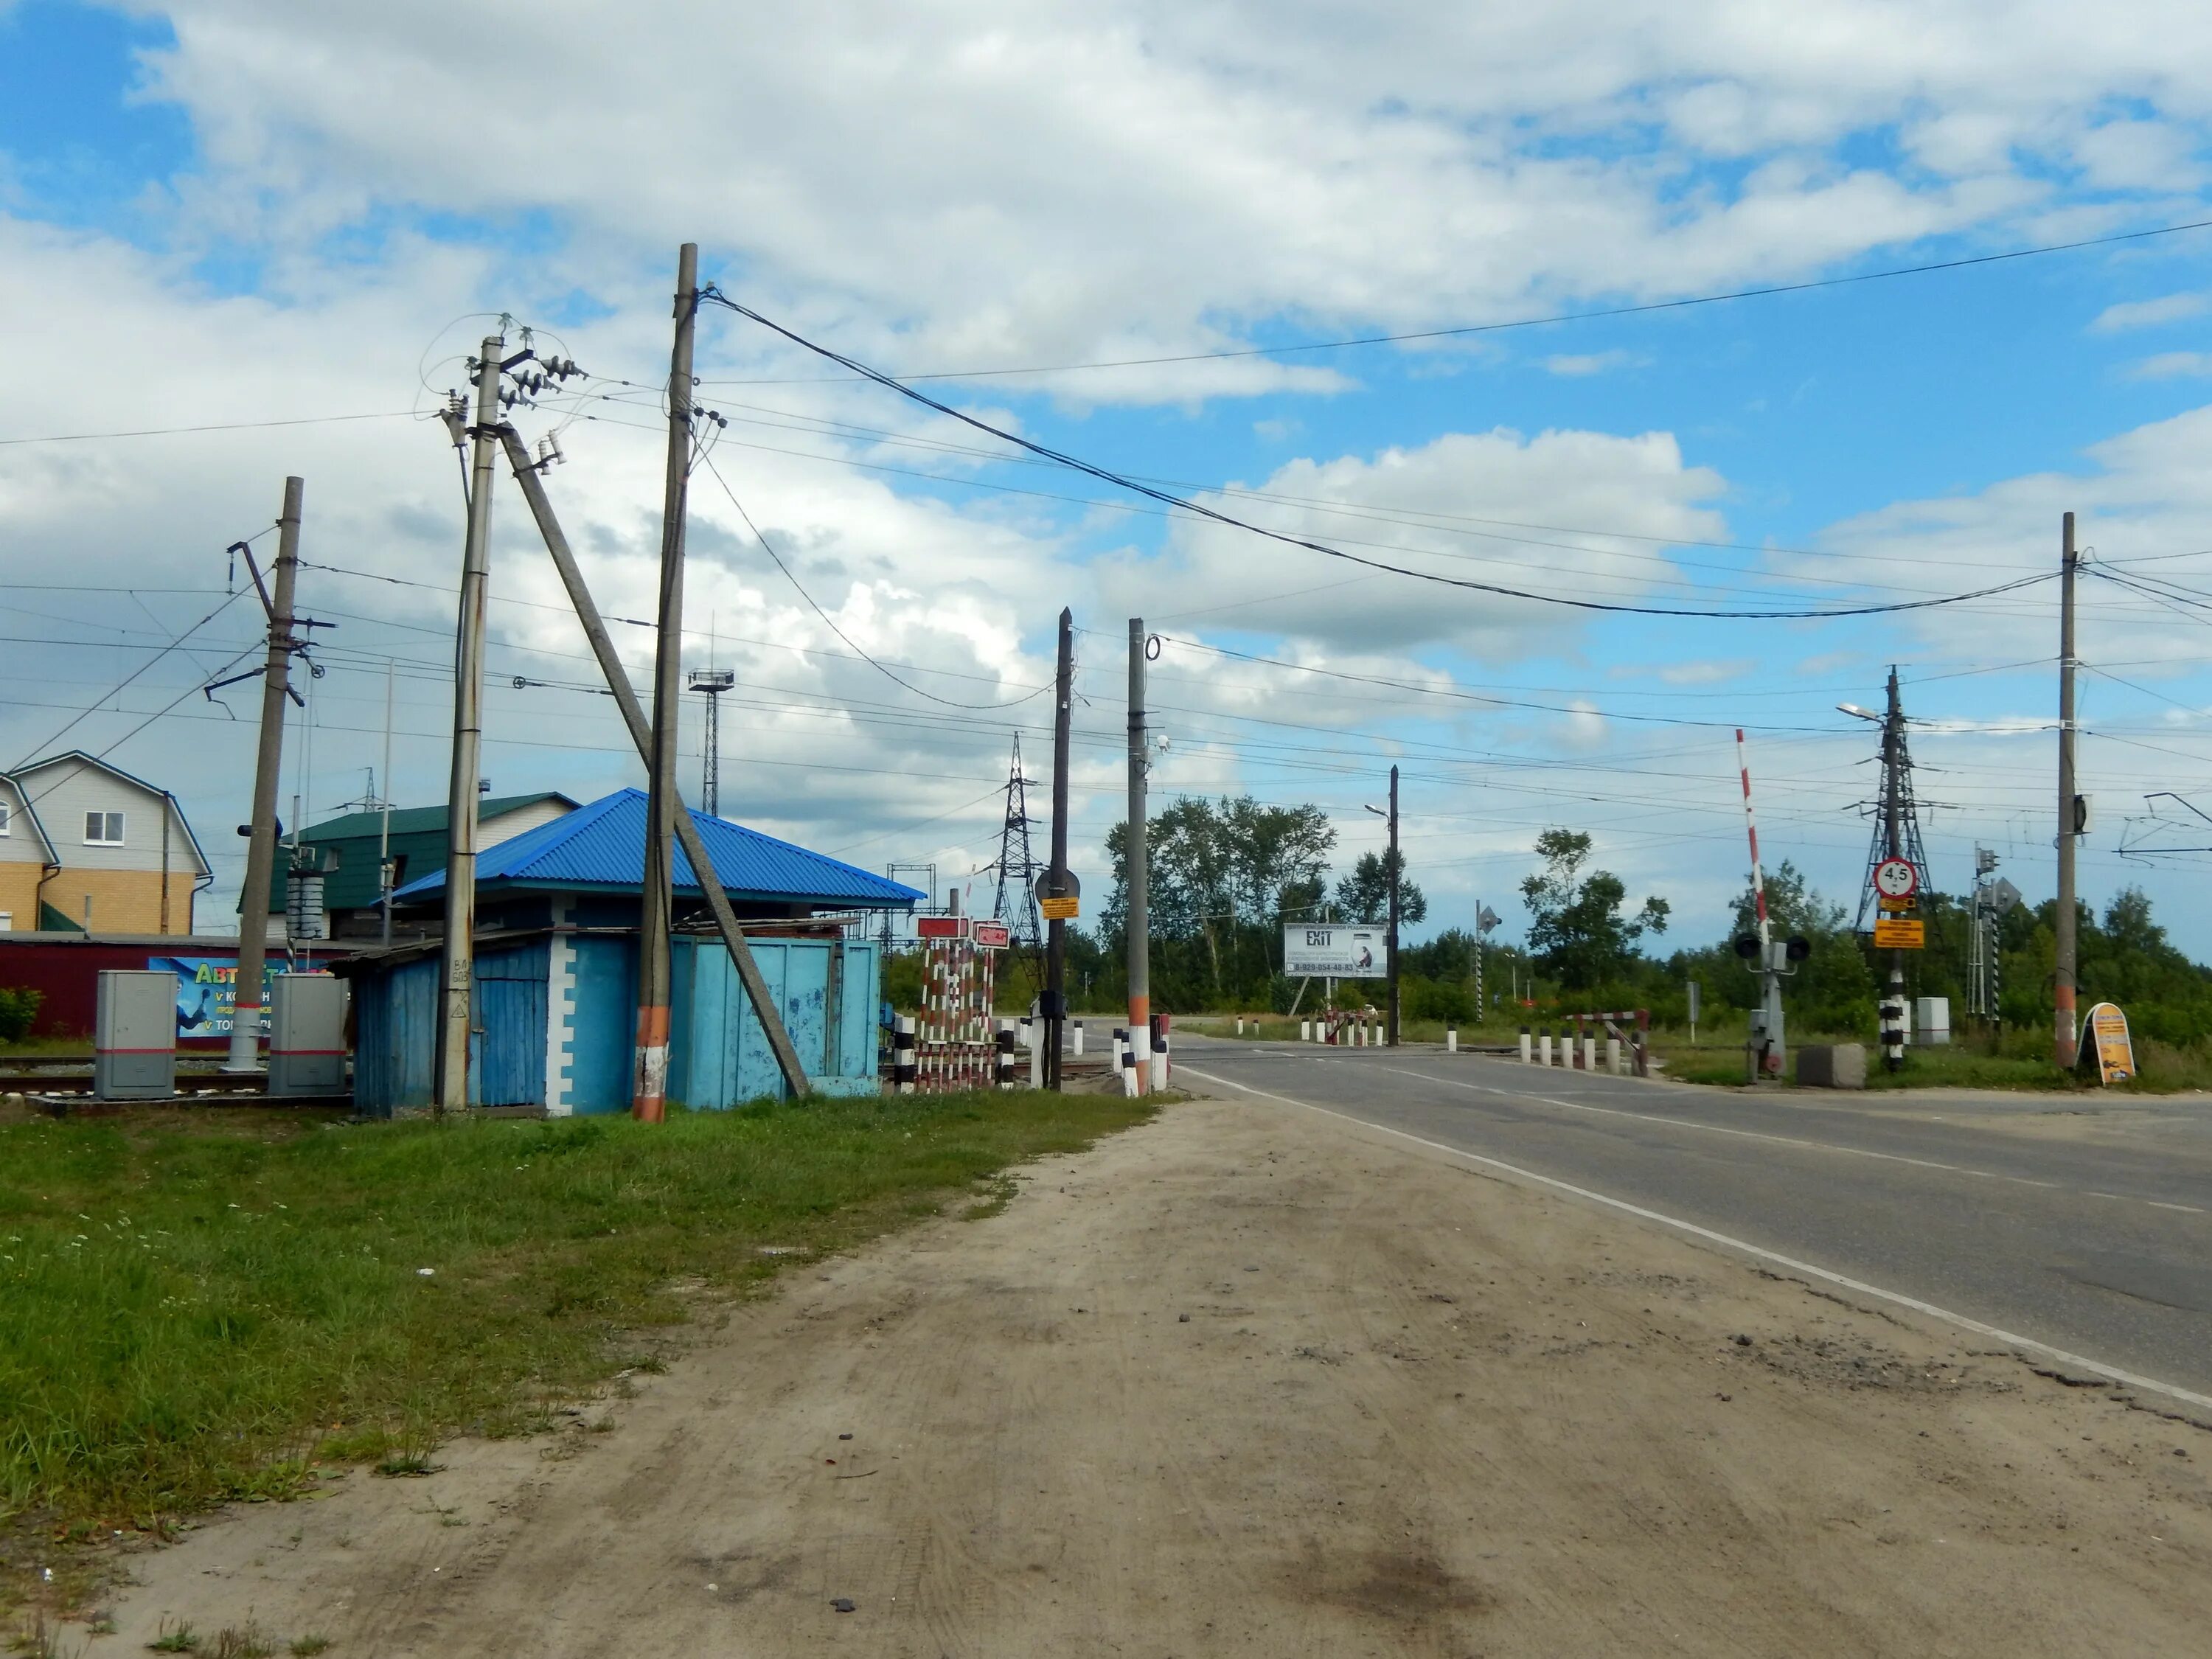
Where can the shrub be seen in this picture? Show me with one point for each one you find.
(19, 1006)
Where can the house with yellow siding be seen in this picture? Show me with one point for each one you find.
(87, 847)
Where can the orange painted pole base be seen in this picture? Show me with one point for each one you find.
(648, 1100)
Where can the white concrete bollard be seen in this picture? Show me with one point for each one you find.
(1306, 1030)
(1544, 1047)
(1451, 1039)
(1078, 1039)
(1589, 1054)
(1240, 1025)
(1159, 1051)
(1524, 1046)
(1612, 1056)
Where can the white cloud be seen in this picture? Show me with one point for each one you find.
(2172, 366)
(955, 184)
(1577, 364)
(2150, 314)
(1441, 509)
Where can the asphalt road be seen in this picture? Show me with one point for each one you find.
(2085, 1227)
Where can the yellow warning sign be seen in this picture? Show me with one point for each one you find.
(1889, 935)
(1060, 909)
(2116, 1053)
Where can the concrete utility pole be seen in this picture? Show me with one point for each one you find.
(2065, 1047)
(456, 991)
(245, 1023)
(1056, 949)
(649, 1090)
(1390, 940)
(1138, 922)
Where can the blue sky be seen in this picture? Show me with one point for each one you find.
(234, 211)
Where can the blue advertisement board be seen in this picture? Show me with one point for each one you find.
(207, 991)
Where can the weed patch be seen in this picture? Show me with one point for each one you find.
(200, 1307)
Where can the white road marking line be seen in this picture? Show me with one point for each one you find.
(2095, 1367)
(1721, 1129)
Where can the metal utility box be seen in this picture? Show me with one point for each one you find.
(306, 1035)
(1931, 1020)
(134, 1045)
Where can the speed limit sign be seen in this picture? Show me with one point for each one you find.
(1896, 879)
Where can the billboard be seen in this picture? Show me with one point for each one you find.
(1335, 951)
(207, 988)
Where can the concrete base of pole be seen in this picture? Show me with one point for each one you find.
(245, 1041)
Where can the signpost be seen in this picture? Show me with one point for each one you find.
(1900, 933)
(1060, 896)
(1324, 951)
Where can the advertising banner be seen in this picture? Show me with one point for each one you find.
(1337, 950)
(207, 991)
(2116, 1052)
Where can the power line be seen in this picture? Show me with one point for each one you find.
(1122, 480)
(222, 426)
(830, 621)
(1461, 330)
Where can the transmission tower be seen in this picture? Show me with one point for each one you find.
(712, 681)
(1016, 904)
(1897, 816)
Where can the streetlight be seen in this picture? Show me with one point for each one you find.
(1863, 713)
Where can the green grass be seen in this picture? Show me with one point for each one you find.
(1967, 1063)
(199, 1306)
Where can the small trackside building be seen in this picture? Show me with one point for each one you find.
(555, 984)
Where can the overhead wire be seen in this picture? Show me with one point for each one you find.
(1122, 480)
(1765, 291)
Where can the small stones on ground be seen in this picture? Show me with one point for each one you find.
(1742, 1340)
(1182, 1319)
(842, 1603)
(844, 1437)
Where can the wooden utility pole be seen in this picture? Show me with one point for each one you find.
(1137, 923)
(640, 733)
(2065, 1047)
(1390, 938)
(649, 1089)
(1056, 951)
(456, 990)
(261, 845)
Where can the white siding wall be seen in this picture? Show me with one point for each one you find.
(69, 789)
(507, 825)
(19, 845)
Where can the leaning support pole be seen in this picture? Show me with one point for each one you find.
(640, 733)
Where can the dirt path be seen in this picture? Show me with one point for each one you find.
(1255, 1383)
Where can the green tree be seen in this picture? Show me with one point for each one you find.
(1364, 896)
(1223, 874)
(1575, 927)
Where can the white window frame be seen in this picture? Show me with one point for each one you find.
(116, 819)
(7, 922)
(6, 819)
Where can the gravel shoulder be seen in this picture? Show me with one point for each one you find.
(1248, 1380)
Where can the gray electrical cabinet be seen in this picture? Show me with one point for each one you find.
(134, 1044)
(306, 1035)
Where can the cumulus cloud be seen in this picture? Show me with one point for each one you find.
(1463, 508)
(2151, 313)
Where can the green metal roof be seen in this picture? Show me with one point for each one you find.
(418, 843)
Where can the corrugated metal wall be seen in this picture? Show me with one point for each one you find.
(828, 993)
(718, 1055)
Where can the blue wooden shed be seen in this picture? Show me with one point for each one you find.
(556, 975)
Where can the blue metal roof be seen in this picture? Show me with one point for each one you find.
(602, 845)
